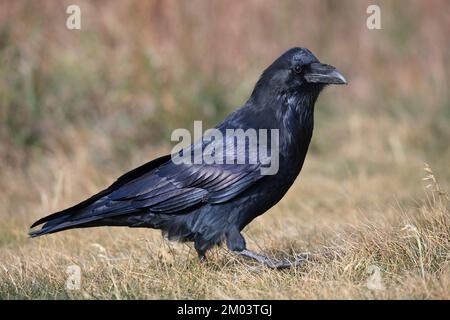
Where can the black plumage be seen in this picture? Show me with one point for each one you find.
(211, 203)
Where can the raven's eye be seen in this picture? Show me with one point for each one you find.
(297, 69)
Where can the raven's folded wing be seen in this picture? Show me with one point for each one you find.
(174, 187)
(161, 187)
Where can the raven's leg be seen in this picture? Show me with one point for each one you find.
(200, 248)
(236, 243)
(201, 256)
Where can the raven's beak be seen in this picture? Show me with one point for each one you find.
(325, 74)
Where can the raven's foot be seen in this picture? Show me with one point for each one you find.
(273, 263)
(202, 258)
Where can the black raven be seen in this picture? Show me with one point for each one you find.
(209, 203)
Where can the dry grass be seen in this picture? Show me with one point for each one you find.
(409, 245)
(72, 120)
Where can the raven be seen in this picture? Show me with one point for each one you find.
(209, 203)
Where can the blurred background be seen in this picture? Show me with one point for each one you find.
(97, 101)
(80, 107)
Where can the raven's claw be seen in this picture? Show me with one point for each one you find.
(273, 263)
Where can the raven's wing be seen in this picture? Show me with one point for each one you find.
(160, 186)
(173, 188)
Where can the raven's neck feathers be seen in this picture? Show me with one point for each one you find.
(295, 115)
(289, 110)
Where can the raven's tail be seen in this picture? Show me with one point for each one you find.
(60, 224)
(98, 210)
(100, 213)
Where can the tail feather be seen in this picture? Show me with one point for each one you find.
(50, 227)
(91, 211)
(81, 219)
(64, 214)
(93, 206)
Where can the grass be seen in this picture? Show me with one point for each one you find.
(409, 244)
(80, 108)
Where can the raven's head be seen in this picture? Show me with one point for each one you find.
(298, 70)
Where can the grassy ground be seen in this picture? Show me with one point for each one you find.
(348, 237)
(77, 109)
